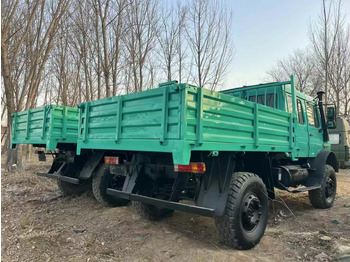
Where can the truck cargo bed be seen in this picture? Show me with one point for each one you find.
(45, 126)
(180, 118)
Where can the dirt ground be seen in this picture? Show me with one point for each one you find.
(38, 224)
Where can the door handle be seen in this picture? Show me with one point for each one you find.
(311, 135)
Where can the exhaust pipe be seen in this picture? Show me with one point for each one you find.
(320, 95)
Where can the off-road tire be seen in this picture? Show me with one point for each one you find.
(100, 182)
(69, 189)
(320, 197)
(151, 212)
(244, 188)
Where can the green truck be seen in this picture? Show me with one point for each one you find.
(224, 151)
(340, 142)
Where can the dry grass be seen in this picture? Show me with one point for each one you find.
(39, 226)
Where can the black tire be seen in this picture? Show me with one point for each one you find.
(102, 180)
(69, 189)
(151, 212)
(324, 197)
(244, 221)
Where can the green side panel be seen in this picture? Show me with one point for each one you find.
(229, 119)
(180, 118)
(152, 114)
(47, 125)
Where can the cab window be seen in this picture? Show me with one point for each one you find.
(269, 100)
(312, 115)
(261, 100)
(301, 119)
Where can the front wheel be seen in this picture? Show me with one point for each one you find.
(244, 221)
(324, 196)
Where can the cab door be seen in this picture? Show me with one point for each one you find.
(301, 127)
(314, 129)
(301, 131)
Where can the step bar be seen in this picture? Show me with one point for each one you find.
(300, 190)
(71, 180)
(203, 211)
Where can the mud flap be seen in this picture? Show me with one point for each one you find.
(317, 166)
(216, 183)
(90, 164)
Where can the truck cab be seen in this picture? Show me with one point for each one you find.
(309, 134)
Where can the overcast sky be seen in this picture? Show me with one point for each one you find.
(267, 30)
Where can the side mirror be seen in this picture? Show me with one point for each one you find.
(331, 118)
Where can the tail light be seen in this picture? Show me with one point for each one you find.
(112, 160)
(195, 167)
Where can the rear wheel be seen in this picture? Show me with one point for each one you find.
(102, 180)
(244, 221)
(324, 196)
(151, 212)
(69, 189)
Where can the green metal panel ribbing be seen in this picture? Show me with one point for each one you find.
(86, 121)
(44, 123)
(80, 107)
(119, 119)
(27, 124)
(256, 125)
(64, 123)
(183, 119)
(199, 130)
(14, 126)
(293, 115)
(291, 132)
(51, 110)
(164, 123)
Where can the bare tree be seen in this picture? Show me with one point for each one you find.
(28, 32)
(346, 76)
(323, 35)
(208, 31)
(338, 70)
(139, 38)
(66, 52)
(83, 44)
(327, 63)
(170, 41)
(117, 30)
(302, 65)
(181, 48)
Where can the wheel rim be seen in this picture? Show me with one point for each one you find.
(251, 212)
(330, 188)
